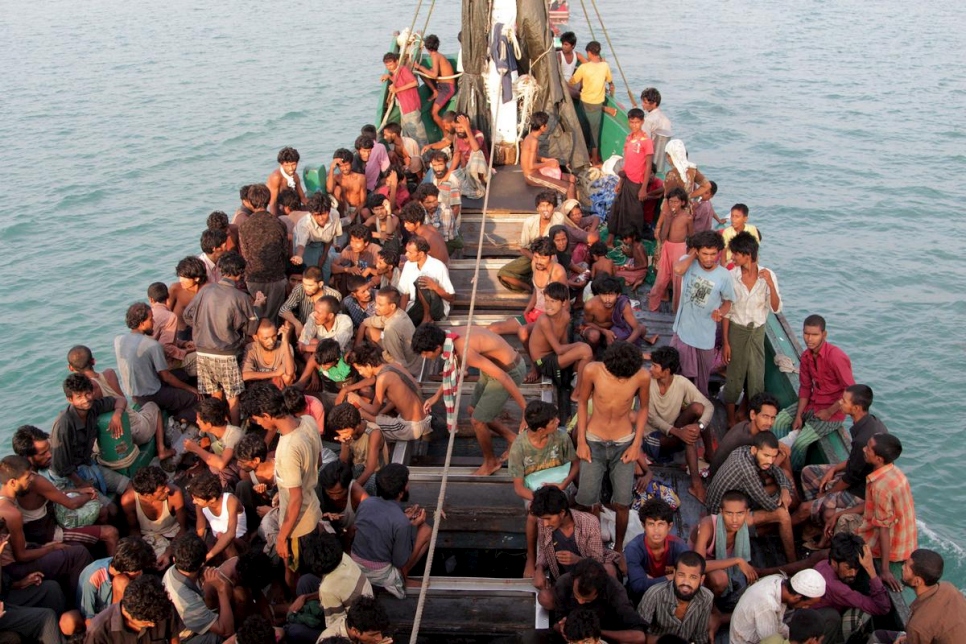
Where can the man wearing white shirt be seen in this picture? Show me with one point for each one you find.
(655, 120)
(424, 283)
(326, 322)
(743, 329)
(761, 609)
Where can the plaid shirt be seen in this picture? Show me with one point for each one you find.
(587, 537)
(442, 220)
(301, 305)
(888, 504)
(741, 472)
(658, 606)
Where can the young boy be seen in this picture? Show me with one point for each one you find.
(362, 444)
(582, 627)
(257, 487)
(725, 541)
(635, 270)
(595, 75)
(600, 263)
(672, 236)
(405, 88)
(216, 448)
(155, 511)
(651, 556)
(704, 211)
(739, 223)
(539, 450)
(627, 212)
(552, 355)
(438, 77)
(384, 225)
(223, 513)
(358, 304)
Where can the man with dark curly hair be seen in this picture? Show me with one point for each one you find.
(105, 581)
(143, 615)
(184, 581)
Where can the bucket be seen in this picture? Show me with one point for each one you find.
(115, 453)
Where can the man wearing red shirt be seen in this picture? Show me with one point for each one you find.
(405, 88)
(824, 374)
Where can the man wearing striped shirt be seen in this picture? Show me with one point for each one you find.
(680, 606)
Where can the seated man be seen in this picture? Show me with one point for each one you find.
(545, 452)
(72, 441)
(609, 440)
(681, 605)
(155, 510)
(427, 292)
(847, 556)
(470, 158)
(257, 487)
(752, 470)
(363, 447)
(724, 539)
(357, 258)
(346, 181)
(413, 219)
(324, 323)
(365, 622)
(221, 514)
(501, 374)
(36, 503)
(385, 226)
(184, 580)
(270, 356)
(544, 172)
(804, 627)
(284, 176)
(300, 304)
(144, 368)
(651, 556)
(761, 610)
(216, 446)
(589, 587)
(390, 540)
(678, 415)
(762, 410)
(609, 316)
(517, 274)
(552, 353)
(55, 561)
(395, 389)
(339, 497)
(145, 612)
(392, 330)
(145, 423)
(358, 304)
(105, 581)
(565, 537)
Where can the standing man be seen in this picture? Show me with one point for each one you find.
(655, 122)
(263, 241)
(681, 605)
(707, 292)
(824, 374)
(544, 172)
(392, 330)
(284, 176)
(743, 328)
(296, 469)
(427, 292)
(144, 370)
(596, 78)
(627, 212)
(223, 319)
(518, 274)
(609, 441)
(404, 88)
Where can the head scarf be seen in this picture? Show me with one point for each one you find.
(565, 209)
(679, 158)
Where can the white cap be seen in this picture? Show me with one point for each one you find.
(809, 583)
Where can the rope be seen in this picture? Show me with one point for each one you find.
(420, 605)
(613, 52)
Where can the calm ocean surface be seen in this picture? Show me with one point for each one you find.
(839, 123)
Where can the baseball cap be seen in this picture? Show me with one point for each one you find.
(809, 583)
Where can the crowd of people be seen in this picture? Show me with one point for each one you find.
(271, 379)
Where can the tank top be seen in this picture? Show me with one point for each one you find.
(539, 303)
(567, 69)
(165, 525)
(219, 524)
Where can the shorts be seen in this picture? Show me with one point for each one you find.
(605, 458)
(652, 447)
(528, 318)
(398, 429)
(444, 92)
(490, 397)
(219, 373)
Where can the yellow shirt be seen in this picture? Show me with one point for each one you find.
(729, 233)
(595, 77)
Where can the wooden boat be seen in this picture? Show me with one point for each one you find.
(475, 590)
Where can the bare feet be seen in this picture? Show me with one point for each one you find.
(532, 376)
(489, 467)
(610, 110)
(529, 569)
(699, 493)
(646, 356)
(166, 453)
(651, 341)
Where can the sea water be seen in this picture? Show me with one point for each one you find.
(840, 124)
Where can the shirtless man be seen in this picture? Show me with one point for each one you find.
(609, 316)
(284, 176)
(552, 355)
(544, 172)
(192, 276)
(348, 185)
(672, 232)
(413, 218)
(439, 77)
(501, 373)
(546, 271)
(609, 441)
(396, 390)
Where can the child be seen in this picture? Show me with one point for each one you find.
(383, 224)
(600, 263)
(582, 627)
(338, 378)
(675, 228)
(216, 448)
(635, 270)
(739, 223)
(363, 446)
(223, 513)
(704, 211)
(651, 556)
(540, 452)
